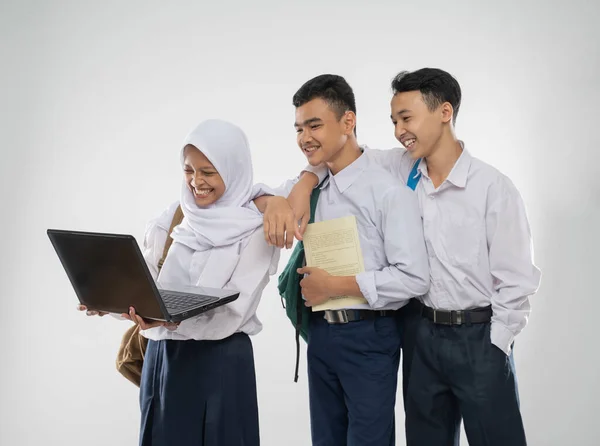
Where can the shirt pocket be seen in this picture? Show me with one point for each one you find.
(461, 238)
(369, 232)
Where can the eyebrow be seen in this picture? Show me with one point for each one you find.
(308, 121)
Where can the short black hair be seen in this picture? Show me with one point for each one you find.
(331, 88)
(436, 86)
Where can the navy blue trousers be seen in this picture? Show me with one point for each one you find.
(353, 377)
(456, 371)
(199, 393)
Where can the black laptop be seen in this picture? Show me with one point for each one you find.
(109, 273)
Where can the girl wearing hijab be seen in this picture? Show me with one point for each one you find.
(198, 381)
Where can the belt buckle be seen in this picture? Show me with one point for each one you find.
(459, 315)
(336, 316)
(436, 321)
(442, 322)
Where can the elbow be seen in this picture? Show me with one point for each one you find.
(422, 275)
(422, 285)
(422, 278)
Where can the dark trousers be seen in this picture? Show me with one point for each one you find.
(409, 317)
(199, 393)
(456, 371)
(353, 377)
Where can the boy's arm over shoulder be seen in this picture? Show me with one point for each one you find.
(396, 161)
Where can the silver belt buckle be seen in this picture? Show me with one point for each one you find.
(459, 314)
(336, 316)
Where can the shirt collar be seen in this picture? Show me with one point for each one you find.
(460, 171)
(347, 176)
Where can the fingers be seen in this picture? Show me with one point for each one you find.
(278, 222)
(91, 312)
(304, 224)
(290, 229)
(141, 323)
(144, 325)
(279, 230)
(266, 225)
(137, 319)
(305, 270)
(132, 316)
(273, 233)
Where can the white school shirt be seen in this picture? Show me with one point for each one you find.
(478, 240)
(389, 227)
(257, 262)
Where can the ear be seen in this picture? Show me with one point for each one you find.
(447, 112)
(349, 122)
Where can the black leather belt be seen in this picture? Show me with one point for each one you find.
(458, 317)
(345, 316)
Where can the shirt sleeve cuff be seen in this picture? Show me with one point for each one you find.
(366, 284)
(502, 337)
(319, 171)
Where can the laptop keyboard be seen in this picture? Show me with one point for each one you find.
(181, 301)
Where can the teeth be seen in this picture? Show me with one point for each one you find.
(409, 143)
(203, 192)
(310, 149)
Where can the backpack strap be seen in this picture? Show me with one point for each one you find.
(177, 219)
(130, 358)
(414, 176)
(300, 308)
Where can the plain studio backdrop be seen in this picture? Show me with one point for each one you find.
(96, 98)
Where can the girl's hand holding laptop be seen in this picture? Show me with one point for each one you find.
(144, 324)
(91, 312)
(133, 317)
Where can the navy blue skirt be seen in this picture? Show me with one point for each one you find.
(199, 393)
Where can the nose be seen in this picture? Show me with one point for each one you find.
(399, 131)
(197, 180)
(305, 137)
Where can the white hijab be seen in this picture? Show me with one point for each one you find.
(221, 230)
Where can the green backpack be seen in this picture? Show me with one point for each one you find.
(290, 291)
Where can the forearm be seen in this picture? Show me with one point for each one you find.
(304, 184)
(344, 286)
(262, 202)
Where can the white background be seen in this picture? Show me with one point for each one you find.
(96, 97)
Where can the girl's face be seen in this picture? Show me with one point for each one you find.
(201, 177)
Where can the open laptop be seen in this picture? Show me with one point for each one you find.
(109, 273)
